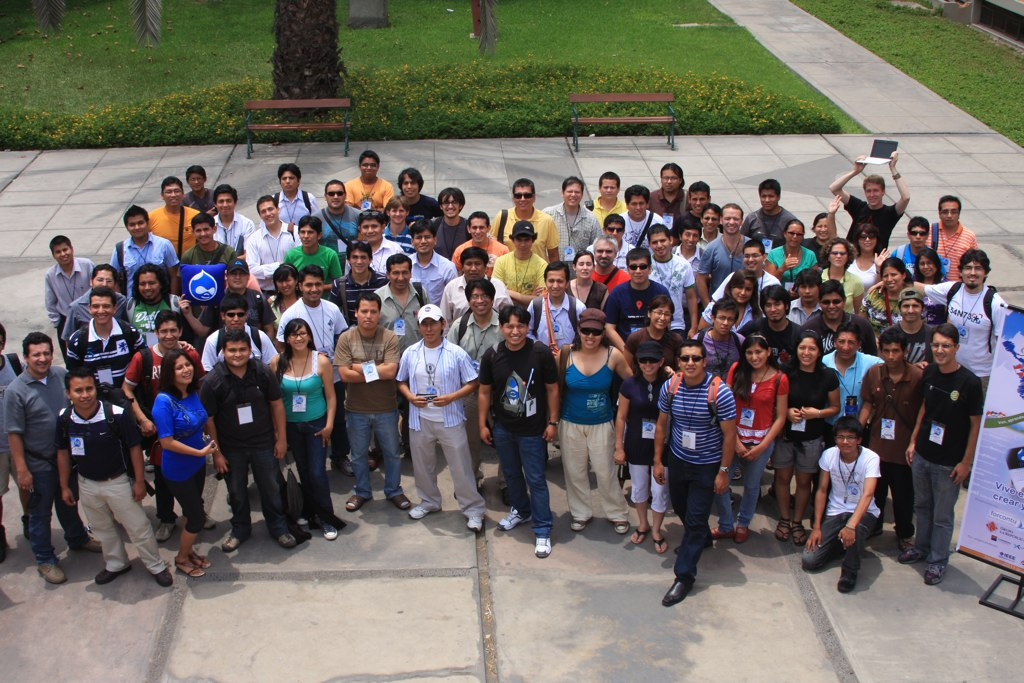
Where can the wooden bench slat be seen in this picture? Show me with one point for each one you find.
(626, 119)
(299, 104)
(575, 98)
(298, 126)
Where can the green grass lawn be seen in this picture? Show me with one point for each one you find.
(969, 68)
(94, 60)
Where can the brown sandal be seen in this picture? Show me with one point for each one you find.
(799, 534)
(783, 529)
(189, 569)
(354, 502)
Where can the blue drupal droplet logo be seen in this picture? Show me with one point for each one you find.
(203, 287)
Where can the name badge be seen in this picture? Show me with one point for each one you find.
(245, 414)
(647, 429)
(430, 392)
(851, 406)
(668, 219)
(962, 329)
(888, 429)
(937, 433)
(852, 493)
(689, 440)
(370, 373)
(767, 244)
(747, 417)
(298, 403)
(365, 205)
(476, 365)
(105, 375)
(556, 328)
(800, 426)
(570, 253)
(399, 328)
(77, 445)
(531, 407)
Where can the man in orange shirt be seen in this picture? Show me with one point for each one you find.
(480, 236)
(368, 191)
(954, 240)
(172, 221)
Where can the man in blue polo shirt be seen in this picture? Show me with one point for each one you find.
(698, 415)
(626, 307)
(850, 364)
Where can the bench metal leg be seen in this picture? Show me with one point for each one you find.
(248, 144)
(575, 136)
(672, 136)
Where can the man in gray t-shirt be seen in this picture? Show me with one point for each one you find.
(768, 223)
(8, 373)
(31, 405)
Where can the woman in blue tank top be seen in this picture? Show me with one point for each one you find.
(586, 430)
(307, 388)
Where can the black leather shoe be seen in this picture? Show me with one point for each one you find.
(678, 592)
(164, 578)
(105, 576)
(847, 580)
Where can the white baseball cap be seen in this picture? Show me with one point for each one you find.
(429, 312)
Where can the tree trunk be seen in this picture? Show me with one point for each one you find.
(307, 61)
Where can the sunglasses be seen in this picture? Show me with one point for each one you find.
(336, 193)
(869, 237)
(615, 230)
(691, 359)
(523, 195)
(918, 233)
(591, 331)
(639, 266)
(647, 361)
(234, 314)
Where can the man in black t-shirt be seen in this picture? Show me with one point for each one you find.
(519, 390)
(873, 211)
(781, 334)
(941, 451)
(826, 321)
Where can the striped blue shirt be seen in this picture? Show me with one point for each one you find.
(454, 370)
(690, 413)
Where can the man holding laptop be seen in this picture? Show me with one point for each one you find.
(874, 210)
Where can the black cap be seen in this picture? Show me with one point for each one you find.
(238, 264)
(650, 350)
(523, 228)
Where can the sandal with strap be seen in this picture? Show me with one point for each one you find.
(660, 545)
(799, 534)
(639, 536)
(189, 569)
(200, 561)
(783, 529)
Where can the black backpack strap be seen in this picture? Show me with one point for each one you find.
(935, 236)
(340, 298)
(502, 222)
(122, 272)
(218, 253)
(305, 200)
(181, 228)
(535, 316)
(420, 296)
(647, 226)
(464, 324)
(15, 362)
(986, 303)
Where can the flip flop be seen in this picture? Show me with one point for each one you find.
(639, 536)
(660, 545)
(200, 561)
(189, 570)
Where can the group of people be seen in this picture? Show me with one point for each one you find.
(659, 334)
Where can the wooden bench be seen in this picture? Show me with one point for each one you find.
(588, 98)
(327, 103)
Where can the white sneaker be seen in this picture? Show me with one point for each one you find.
(419, 512)
(511, 520)
(543, 547)
(475, 523)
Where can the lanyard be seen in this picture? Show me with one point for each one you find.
(849, 474)
(431, 368)
(323, 325)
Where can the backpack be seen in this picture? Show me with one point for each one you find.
(143, 390)
(338, 296)
(712, 396)
(15, 362)
(122, 272)
(536, 311)
(115, 429)
(647, 227)
(82, 342)
(502, 222)
(254, 335)
(986, 304)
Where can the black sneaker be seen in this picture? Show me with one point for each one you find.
(105, 576)
(847, 580)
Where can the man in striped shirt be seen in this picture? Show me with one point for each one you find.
(698, 415)
(106, 346)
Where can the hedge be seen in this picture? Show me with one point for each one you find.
(516, 100)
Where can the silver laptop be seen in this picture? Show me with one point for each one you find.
(881, 152)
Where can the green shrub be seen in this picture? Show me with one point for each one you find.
(516, 100)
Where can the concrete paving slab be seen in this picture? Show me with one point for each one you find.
(124, 195)
(66, 159)
(15, 242)
(114, 178)
(34, 179)
(76, 217)
(15, 162)
(86, 241)
(132, 157)
(359, 618)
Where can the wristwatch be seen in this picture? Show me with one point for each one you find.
(552, 424)
(723, 469)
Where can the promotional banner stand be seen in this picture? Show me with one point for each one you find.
(1014, 607)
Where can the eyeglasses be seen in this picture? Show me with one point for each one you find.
(523, 195)
(480, 297)
(449, 202)
(639, 266)
(691, 359)
(847, 437)
(591, 331)
(918, 233)
(336, 193)
(234, 314)
(615, 230)
(368, 165)
(837, 253)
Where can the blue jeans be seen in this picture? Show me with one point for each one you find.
(311, 461)
(752, 471)
(935, 497)
(523, 459)
(266, 472)
(44, 497)
(384, 427)
(692, 490)
(340, 446)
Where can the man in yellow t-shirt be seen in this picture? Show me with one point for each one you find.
(168, 221)
(524, 196)
(608, 201)
(521, 269)
(367, 191)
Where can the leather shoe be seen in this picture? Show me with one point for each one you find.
(164, 578)
(677, 593)
(106, 576)
(847, 580)
(718, 534)
(92, 546)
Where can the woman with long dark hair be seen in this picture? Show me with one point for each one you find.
(659, 316)
(813, 397)
(307, 389)
(741, 288)
(761, 391)
(929, 270)
(180, 418)
(881, 305)
(590, 292)
(286, 279)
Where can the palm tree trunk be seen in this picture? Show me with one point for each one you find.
(307, 61)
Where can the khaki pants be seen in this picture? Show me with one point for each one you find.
(423, 443)
(583, 447)
(108, 503)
